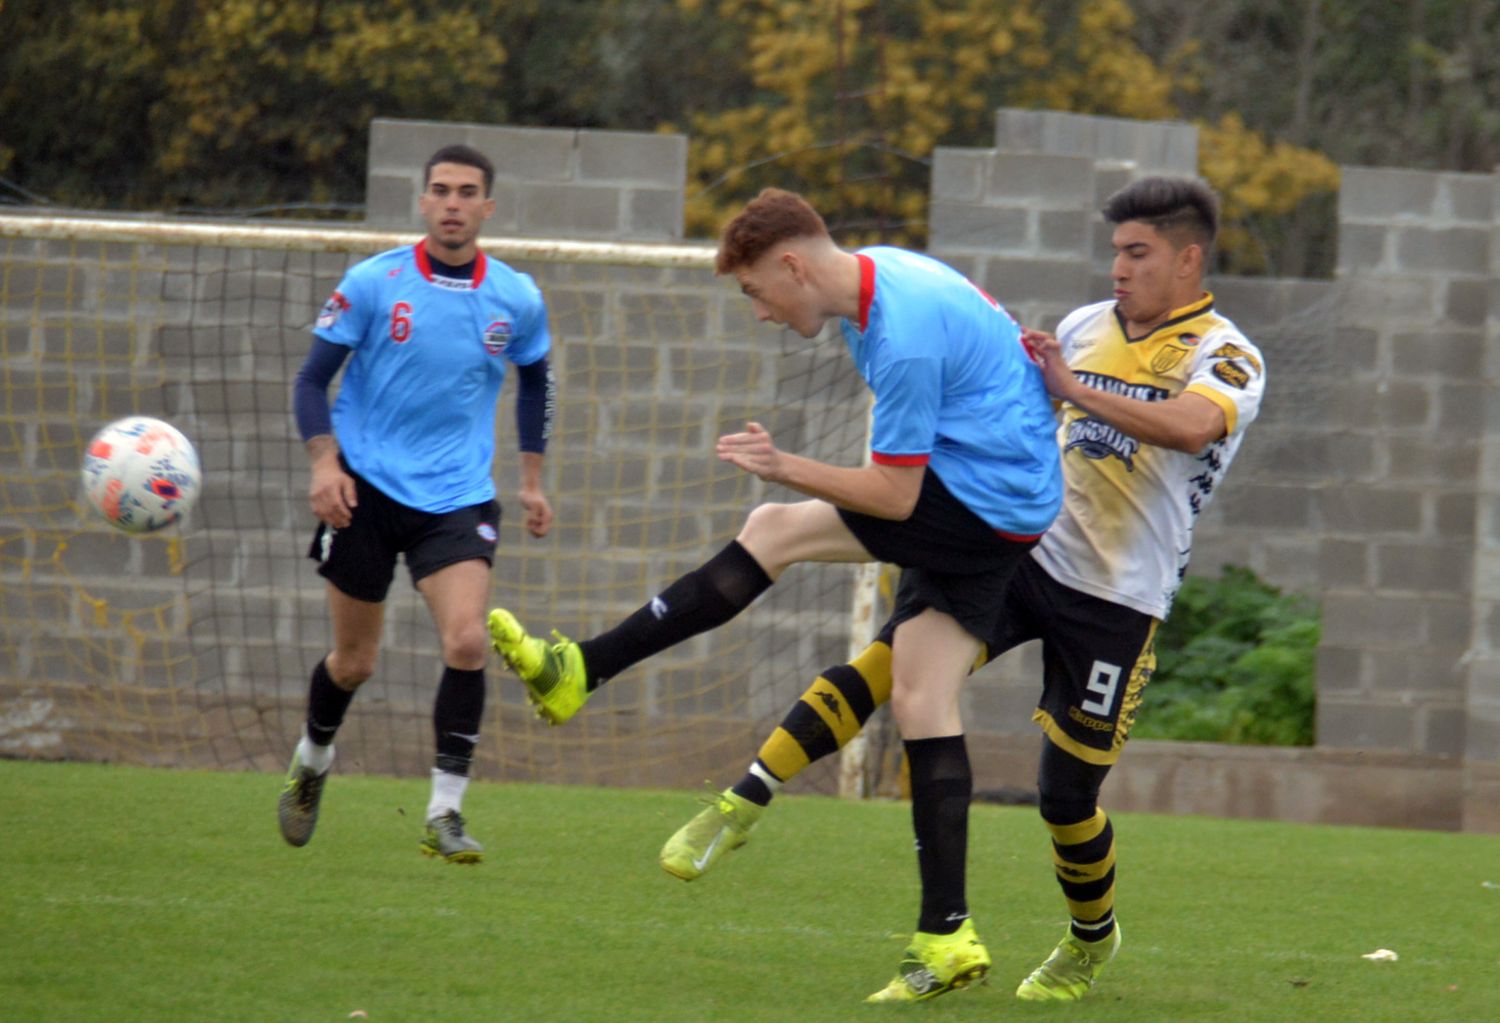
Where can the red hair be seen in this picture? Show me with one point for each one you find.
(772, 217)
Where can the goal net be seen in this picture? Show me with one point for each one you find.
(192, 647)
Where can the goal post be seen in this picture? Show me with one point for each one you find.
(192, 647)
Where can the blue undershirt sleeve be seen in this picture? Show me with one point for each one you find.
(310, 391)
(536, 399)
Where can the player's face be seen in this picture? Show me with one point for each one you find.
(778, 292)
(453, 206)
(1152, 276)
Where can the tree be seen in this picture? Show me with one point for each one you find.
(848, 98)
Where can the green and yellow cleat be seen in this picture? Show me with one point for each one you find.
(555, 680)
(935, 964)
(720, 827)
(1071, 969)
(297, 809)
(446, 839)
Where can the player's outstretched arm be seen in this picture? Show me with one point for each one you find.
(1188, 422)
(884, 491)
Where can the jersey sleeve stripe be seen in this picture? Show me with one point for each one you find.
(866, 289)
(1219, 398)
(882, 459)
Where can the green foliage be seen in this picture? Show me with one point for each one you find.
(223, 103)
(1235, 663)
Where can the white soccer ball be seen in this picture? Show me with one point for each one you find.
(141, 474)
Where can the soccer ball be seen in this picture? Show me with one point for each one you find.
(141, 474)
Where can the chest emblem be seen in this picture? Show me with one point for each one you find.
(497, 336)
(1167, 358)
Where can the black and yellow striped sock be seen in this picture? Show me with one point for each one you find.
(831, 712)
(1083, 854)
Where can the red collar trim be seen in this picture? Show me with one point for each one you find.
(424, 264)
(866, 289)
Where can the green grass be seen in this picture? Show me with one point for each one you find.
(158, 895)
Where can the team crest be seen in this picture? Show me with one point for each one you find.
(497, 336)
(336, 306)
(487, 532)
(1165, 360)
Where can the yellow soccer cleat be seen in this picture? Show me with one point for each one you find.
(1071, 969)
(555, 680)
(935, 964)
(722, 826)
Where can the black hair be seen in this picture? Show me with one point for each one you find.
(1184, 209)
(461, 154)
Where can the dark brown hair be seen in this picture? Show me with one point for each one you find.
(468, 156)
(1184, 209)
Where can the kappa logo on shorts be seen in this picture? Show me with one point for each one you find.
(487, 532)
(497, 336)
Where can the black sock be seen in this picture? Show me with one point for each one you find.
(326, 704)
(456, 714)
(704, 599)
(753, 787)
(941, 788)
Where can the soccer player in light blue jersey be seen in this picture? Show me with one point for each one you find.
(402, 467)
(964, 477)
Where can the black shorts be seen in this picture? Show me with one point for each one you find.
(360, 559)
(952, 560)
(1097, 657)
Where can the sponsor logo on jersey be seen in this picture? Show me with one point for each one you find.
(336, 306)
(451, 283)
(487, 532)
(1098, 440)
(1232, 373)
(1233, 351)
(1191, 340)
(497, 336)
(1114, 385)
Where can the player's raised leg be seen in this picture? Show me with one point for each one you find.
(357, 626)
(560, 676)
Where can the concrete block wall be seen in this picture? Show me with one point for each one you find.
(1399, 537)
(549, 182)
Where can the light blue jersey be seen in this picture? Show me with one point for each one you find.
(955, 389)
(415, 414)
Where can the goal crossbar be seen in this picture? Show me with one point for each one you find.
(316, 238)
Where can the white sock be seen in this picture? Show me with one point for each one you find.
(314, 757)
(767, 779)
(447, 793)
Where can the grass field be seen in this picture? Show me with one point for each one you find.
(136, 894)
